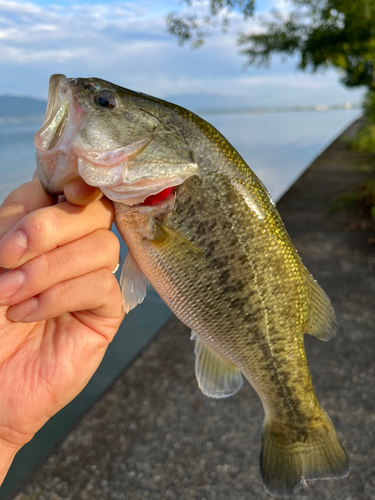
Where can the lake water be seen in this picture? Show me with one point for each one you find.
(278, 147)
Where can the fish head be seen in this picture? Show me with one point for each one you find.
(107, 135)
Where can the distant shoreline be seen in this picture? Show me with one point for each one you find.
(21, 119)
(219, 111)
(281, 109)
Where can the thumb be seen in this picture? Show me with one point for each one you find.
(79, 193)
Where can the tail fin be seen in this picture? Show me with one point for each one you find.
(315, 453)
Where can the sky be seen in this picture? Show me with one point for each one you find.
(126, 42)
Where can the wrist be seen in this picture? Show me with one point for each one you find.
(11, 442)
(7, 454)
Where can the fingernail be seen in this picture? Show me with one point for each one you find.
(12, 248)
(10, 283)
(21, 311)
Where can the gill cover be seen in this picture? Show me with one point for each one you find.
(137, 170)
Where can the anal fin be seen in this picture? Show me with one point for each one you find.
(216, 377)
(322, 322)
(133, 284)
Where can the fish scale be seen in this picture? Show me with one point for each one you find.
(201, 227)
(248, 275)
(226, 335)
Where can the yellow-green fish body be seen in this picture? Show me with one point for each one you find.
(215, 249)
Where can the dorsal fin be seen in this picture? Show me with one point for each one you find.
(216, 377)
(321, 316)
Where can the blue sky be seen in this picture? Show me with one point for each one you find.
(126, 42)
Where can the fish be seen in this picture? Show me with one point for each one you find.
(203, 230)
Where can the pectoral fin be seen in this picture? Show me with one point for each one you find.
(322, 322)
(133, 283)
(216, 377)
(177, 240)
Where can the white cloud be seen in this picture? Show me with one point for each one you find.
(126, 42)
(292, 80)
(19, 7)
(82, 31)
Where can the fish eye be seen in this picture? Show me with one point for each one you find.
(105, 99)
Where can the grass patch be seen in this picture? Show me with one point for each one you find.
(363, 199)
(347, 202)
(367, 196)
(364, 140)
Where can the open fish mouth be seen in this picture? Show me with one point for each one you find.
(56, 164)
(56, 113)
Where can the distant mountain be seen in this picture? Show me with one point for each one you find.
(26, 106)
(21, 106)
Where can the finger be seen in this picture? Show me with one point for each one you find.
(98, 292)
(79, 193)
(98, 250)
(22, 201)
(47, 228)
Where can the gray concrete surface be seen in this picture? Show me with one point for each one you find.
(155, 436)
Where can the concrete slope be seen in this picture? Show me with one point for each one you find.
(155, 436)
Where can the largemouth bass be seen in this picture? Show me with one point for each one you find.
(203, 230)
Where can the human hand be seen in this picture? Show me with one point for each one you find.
(60, 305)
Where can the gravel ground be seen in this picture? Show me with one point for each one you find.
(155, 436)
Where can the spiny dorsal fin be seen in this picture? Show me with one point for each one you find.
(322, 322)
(216, 378)
(133, 284)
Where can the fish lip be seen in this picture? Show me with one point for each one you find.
(56, 82)
(57, 90)
(59, 102)
(134, 194)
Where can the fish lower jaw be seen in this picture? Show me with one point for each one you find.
(143, 192)
(55, 169)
